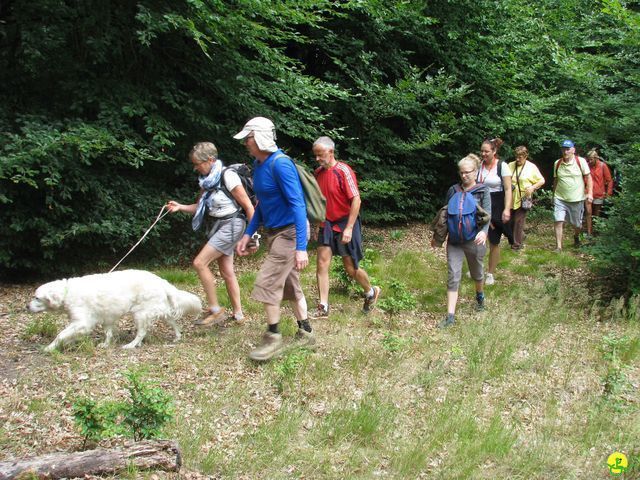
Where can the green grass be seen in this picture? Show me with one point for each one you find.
(44, 325)
(543, 384)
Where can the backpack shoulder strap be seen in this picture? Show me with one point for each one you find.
(222, 185)
(273, 163)
(556, 167)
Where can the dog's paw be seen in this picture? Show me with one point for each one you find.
(50, 348)
(104, 345)
(130, 346)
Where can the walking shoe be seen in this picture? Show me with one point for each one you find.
(230, 321)
(321, 312)
(305, 339)
(489, 280)
(370, 301)
(210, 318)
(448, 321)
(576, 241)
(479, 302)
(271, 346)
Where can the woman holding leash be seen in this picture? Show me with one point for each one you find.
(224, 199)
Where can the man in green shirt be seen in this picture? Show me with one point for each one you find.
(570, 176)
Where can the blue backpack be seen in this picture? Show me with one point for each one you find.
(461, 216)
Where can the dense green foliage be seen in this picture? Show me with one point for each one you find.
(103, 100)
(147, 411)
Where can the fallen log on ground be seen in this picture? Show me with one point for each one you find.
(146, 455)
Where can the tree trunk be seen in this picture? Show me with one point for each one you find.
(150, 454)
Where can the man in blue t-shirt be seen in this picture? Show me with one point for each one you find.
(281, 211)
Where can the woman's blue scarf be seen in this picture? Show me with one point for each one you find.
(209, 184)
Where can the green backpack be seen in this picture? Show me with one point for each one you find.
(313, 198)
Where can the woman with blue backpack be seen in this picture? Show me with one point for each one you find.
(466, 236)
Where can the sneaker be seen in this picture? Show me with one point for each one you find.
(271, 346)
(448, 321)
(369, 302)
(231, 320)
(557, 250)
(479, 302)
(321, 312)
(304, 338)
(489, 280)
(210, 318)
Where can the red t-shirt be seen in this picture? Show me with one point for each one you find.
(339, 186)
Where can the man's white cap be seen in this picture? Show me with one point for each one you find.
(257, 124)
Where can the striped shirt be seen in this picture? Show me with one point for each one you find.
(339, 186)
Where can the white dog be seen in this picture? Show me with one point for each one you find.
(102, 299)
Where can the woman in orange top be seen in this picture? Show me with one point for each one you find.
(602, 187)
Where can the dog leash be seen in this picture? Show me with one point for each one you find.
(158, 218)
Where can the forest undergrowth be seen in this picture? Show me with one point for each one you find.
(543, 384)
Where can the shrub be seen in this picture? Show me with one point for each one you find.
(146, 412)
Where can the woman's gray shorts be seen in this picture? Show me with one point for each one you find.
(456, 254)
(227, 234)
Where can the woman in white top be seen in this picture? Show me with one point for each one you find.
(230, 213)
(499, 183)
(527, 179)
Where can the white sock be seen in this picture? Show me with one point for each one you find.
(238, 316)
(214, 309)
(371, 293)
(325, 305)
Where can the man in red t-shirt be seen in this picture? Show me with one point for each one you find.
(341, 233)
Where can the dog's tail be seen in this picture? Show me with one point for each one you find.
(183, 303)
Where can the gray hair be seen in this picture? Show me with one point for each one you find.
(325, 142)
(201, 151)
(471, 159)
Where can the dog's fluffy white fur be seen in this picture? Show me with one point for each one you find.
(102, 299)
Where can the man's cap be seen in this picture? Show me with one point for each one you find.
(567, 144)
(256, 124)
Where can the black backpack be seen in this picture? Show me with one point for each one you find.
(245, 173)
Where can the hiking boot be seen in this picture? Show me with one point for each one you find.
(489, 280)
(479, 302)
(448, 321)
(321, 312)
(271, 346)
(305, 339)
(576, 241)
(370, 301)
(210, 318)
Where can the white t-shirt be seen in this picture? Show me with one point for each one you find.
(491, 178)
(220, 205)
